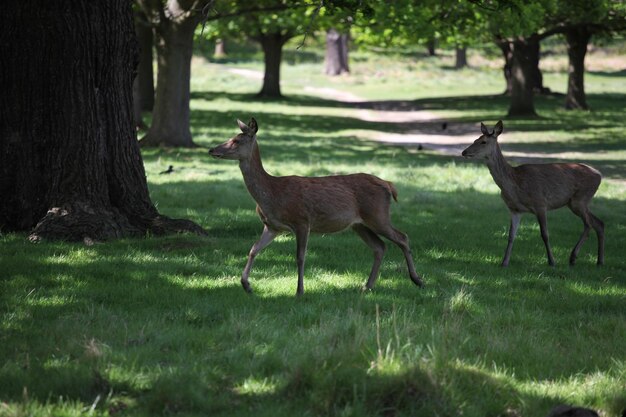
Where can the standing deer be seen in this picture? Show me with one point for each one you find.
(537, 188)
(314, 204)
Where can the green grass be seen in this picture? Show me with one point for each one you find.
(161, 326)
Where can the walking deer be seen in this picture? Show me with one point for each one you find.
(314, 204)
(537, 188)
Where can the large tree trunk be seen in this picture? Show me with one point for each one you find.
(461, 57)
(430, 46)
(336, 61)
(272, 44)
(70, 164)
(577, 40)
(170, 116)
(534, 54)
(522, 73)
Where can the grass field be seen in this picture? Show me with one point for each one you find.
(161, 326)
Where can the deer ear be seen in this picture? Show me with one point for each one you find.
(498, 128)
(253, 126)
(244, 128)
(484, 129)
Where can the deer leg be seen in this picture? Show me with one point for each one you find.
(302, 237)
(402, 241)
(543, 226)
(377, 245)
(266, 238)
(584, 216)
(515, 220)
(598, 226)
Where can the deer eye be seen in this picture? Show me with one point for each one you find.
(483, 142)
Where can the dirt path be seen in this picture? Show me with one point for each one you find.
(420, 129)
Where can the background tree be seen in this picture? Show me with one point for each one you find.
(70, 164)
(143, 87)
(336, 61)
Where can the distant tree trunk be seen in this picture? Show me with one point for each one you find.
(145, 72)
(577, 40)
(70, 164)
(534, 54)
(272, 44)
(507, 53)
(143, 86)
(430, 46)
(170, 116)
(522, 72)
(220, 48)
(461, 57)
(336, 61)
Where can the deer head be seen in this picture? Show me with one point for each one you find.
(485, 144)
(240, 146)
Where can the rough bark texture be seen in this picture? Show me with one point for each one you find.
(577, 40)
(336, 61)
(70, 164)
(461, 57)
(272, 44)
(534, 54)
(170, 116)
(522, 74)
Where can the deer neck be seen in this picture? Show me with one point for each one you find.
(501, 171)
(257, 180)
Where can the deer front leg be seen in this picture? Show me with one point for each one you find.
(515, 220)
(543, 226)
(302, 237)
(266, 238)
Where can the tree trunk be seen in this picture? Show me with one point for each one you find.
(522, 73)
(272, 44)
(461, 57)
(430, 46)
(507, 53)
(145, 72)
(534, 53)
(577, 40)
(220, 48)
(70, 164)
(170, 116)
(336, 61)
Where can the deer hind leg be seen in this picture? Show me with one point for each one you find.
(598, 226)
(579, 209)
(377, 245)
(515, 220)
(266, 238)
(542, 218)
(302, 237)
(400, 239)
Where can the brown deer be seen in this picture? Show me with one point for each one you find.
(537, 188)
(314, 204)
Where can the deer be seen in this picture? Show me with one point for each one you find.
(301, 205)
(538, 188)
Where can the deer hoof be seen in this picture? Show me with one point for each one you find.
(246, 287)
(417, 282)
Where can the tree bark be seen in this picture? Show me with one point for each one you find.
(461, 57)
(272, 44)
(577, 40)
(522, 73)
(534, 55)
(336, 61)
(70, 164)
(170, 116)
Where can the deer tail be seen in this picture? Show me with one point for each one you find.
(392, 190)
